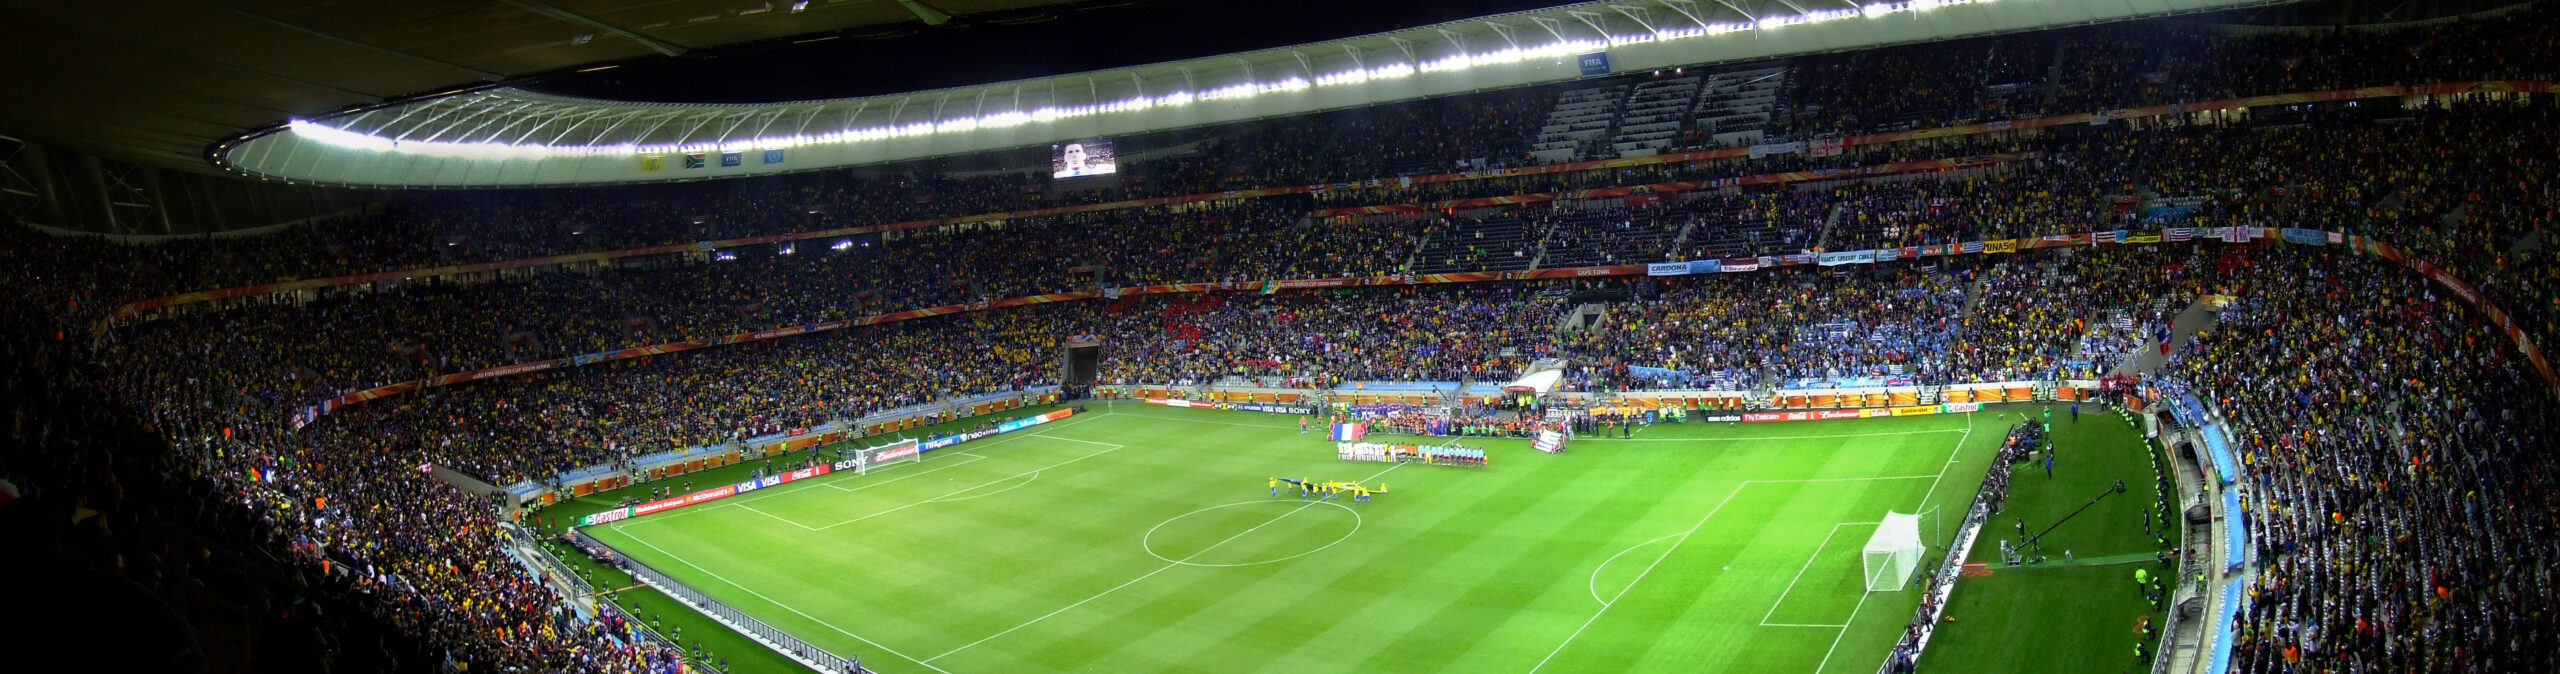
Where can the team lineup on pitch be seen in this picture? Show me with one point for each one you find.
(1155, 539)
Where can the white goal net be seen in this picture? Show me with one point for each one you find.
(880, 457)
(1893, 553)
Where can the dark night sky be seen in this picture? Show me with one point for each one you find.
(921, 57)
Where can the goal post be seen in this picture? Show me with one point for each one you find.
(1893, 553)
(904, 450)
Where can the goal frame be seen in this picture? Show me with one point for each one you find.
(1892, 554)
(900, 452)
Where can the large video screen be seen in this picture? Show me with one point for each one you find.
(1075, 159)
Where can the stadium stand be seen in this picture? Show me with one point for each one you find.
(2401, 509)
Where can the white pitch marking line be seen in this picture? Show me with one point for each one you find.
(1791, 583)
(1844, 632)
(1924, 504)
(973, 458)
(1844, 479)
(1693, 529)
(1942, 468)
(1648, 570)
(785, 520)
(971, 487)
(1151, 574)
(1035, 476)
(1089, 442)
(1808, 565)
(1168, 417)
(1790, 437)
(1836, 627)
(1604, 564)
(787, 607)
(742, 501)
(1132, 581)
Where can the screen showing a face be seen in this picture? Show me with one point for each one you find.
(1080, 158)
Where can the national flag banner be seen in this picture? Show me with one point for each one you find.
(693, 160)
(1350, 432)
(2179, 233)
(1271, 287)
(655, 162)
(2106, 236)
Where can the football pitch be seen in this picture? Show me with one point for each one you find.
(1148, 539)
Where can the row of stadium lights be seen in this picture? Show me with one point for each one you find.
(328, 135)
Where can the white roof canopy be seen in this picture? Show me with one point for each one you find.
(503, 136)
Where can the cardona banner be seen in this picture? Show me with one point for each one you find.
(1667, 269)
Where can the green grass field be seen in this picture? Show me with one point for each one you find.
(1146, 540)
(2008, 620)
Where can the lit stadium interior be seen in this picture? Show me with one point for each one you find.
(952, 336)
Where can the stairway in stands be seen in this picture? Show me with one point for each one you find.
(1736, 105)
(1503, 240)
(1580, 118)
(1650, 120)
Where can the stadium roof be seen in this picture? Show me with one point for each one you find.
(496, 135)
(157, 82)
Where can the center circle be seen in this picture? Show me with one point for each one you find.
(1195, 538)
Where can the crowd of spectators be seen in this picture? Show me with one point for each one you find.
(2400, 503)
(2402, 508)
(1438, 334)
(1892, 324)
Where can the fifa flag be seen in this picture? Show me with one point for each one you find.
(1548, 441)
(1351, 432)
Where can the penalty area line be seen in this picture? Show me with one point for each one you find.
(1640, 575)
(1924, 505)
(975, 487)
